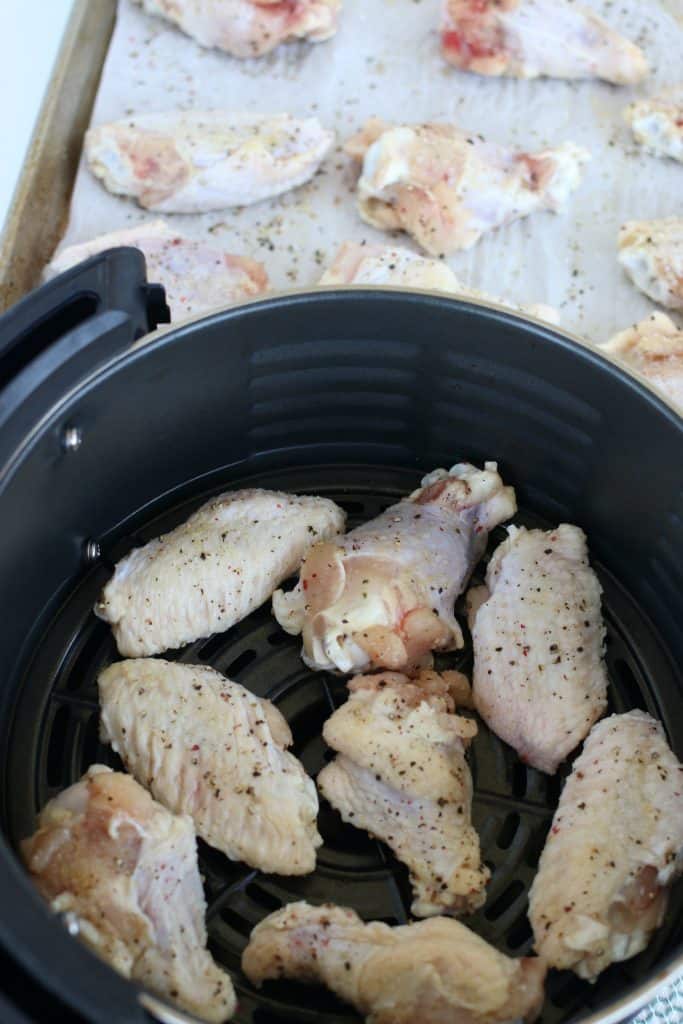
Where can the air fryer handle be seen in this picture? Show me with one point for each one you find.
(114, 280)
(66, 329)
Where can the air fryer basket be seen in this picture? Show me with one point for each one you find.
(351, 394)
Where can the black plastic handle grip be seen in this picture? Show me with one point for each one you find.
(66, 329)
(113, 281)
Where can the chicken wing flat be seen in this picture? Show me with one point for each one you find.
(213, 570)
(197, 275)
(654, 347)
(383, 595)
(540, 680)
(614, 849)
(434, 972)
(657, 123)
(401, 774)
(400, 268)
(651, 253)
(529, 38)
(195, 162)
(124, 871)
(249, 28)
(206, 747)
(446, 189)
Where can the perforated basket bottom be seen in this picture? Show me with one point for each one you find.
(56, 738)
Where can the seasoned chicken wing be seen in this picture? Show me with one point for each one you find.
(529, 38)
(657, 123)
(651, 253)
(206, 747)
(400, 268)
(401, 774)
(123, 870)
(614, 849)
(213, 570)
(249, 28)
(654, 347)
(195, 162)
(197, 275)
(446, 189)
(540, 680)
(434, 972)
(383, 595)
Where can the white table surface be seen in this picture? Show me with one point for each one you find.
(30, 34)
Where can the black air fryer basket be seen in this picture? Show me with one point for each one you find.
(353, 394)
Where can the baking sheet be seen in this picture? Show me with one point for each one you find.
(385, 62)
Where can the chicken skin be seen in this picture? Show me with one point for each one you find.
(654, 347)
(206, 747)
(213, 570)
(401, 774)
(651, 253)
(446, 189)
(382, 596)
(540, 680)
(614, 849)
(123, 870)
(400, 268)
(530, 38)
(434, 972)
(195, 162)
(657, 123)
(249, 28)
(197, 275)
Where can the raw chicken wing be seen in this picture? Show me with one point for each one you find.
(123, 871)
(614, 849)
(213, 570)
(654, 347)
(206, 747)
(193, 162)
(651, 253)
(400, 268)
(401, 774)
(197, 275)
(529, 38)
(431, 972)
(383, 595)
(447, 189)
(540, 680)
(657, 123)
(249, 28)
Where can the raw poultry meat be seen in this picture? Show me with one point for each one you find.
(651, 253)
(207, 747)
(401, 774)
(197, 275)
(434, 972)
(540, 680)
(123, 870)
(195, 162)
(654, 347)
(400, 268)
(213, 570)
(249, 28)
(657, 123)
(528, 38)
(614, 849)
(382, 596)
(446, 189)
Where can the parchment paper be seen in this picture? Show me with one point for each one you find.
(385, 61)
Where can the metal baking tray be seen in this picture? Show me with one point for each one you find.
(40, 206)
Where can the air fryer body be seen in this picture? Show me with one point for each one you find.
(354, 394)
